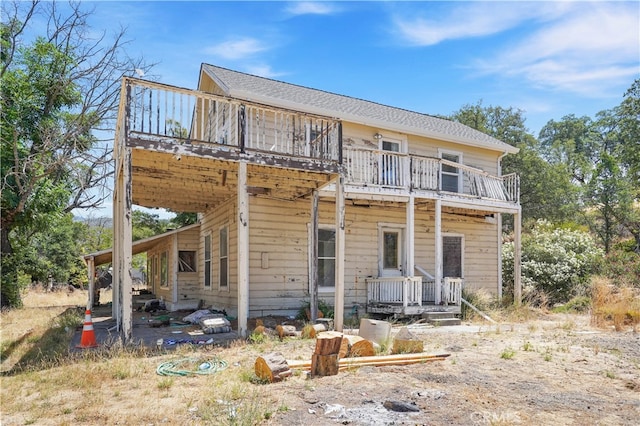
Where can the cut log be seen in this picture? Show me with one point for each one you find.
(328, 343)
(272, 367)
(310, 331)
(324, 365)
(356, 346)
(406, 342)
(285, 330)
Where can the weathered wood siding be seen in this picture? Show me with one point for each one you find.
(188, 282)
(278, 258)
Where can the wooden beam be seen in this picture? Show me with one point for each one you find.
(127, 249)
(174, 268)
(91, 271)
(243, 250)
(313, 251)
(338, 310)
(410, 243)
(517, 258)
(438, 251)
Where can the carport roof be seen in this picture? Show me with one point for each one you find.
(140, 246)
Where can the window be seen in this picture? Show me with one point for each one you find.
(207, 261)
(186, 261)
(450, 175)
(164, 269)
(224, 257)
(326, 258)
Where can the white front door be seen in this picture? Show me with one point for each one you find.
(391, 252)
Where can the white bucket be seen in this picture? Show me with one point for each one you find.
(376, 331)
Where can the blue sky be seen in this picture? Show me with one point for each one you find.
(549, 59)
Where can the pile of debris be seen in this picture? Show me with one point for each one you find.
(336, 352)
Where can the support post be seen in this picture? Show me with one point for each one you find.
(91, 271)
(122, 247)
(410, 262)
(499, 243)
(517, 258)
(174, 269)
(438, 251)
(313, 250)
(338, 320)
(243, 249)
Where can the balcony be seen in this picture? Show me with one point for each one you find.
(385, 169)
(157, 113)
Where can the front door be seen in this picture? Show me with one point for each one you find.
(452, 259)
(391, 252)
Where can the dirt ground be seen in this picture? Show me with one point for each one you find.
(556, 370)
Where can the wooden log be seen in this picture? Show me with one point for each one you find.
(407, 342)
(272, 367)
(324, 365)
(310, 331)
(285, 330)
(356, 346)
(328, 343)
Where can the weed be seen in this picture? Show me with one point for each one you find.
(609, 374)
(527, 346)
(508, 353)
(165, 383)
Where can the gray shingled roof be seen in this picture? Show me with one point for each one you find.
(277, 93)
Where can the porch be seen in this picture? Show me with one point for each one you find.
(413, 295)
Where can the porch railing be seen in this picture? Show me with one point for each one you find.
(371, 167)
(450, 293)
(395, 290)
(158, 112)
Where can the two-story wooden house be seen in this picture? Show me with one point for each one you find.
(305, 194)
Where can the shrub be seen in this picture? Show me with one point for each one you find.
(556, 262)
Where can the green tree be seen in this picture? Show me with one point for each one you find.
(56, 91)
(546, 190)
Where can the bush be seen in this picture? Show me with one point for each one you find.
(556, 262)
(622, 264)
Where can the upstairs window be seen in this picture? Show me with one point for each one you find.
(450, 176)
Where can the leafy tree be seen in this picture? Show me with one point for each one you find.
(546, 190)
(56, 91)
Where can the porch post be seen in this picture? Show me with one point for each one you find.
(243, 249)
(174, 267)
(499, 242)
(410, 237)
(123, 245)
(438, 251)
(517, 261)
(338, 310)
(313, 253)
(91, 271)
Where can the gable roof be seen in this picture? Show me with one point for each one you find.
(286, 95)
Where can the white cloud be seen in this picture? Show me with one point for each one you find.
(590, 51)
(466, 20)
(262, 71)
(237, 49)
(310, 8)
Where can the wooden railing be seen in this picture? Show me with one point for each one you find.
(395, 290)
(370, 167)
(413, 291)
(157, 112)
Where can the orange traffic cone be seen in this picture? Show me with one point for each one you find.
(88, 339)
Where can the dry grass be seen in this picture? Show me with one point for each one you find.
(43, 382)
(612, 305)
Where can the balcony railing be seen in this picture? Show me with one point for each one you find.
(156, 112)
(377, 168)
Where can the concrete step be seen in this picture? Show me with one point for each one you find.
(443, 322)
(437, 315)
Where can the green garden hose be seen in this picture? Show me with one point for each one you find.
(198, 367)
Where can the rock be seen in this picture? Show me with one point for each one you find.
(400, 406)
